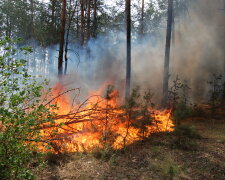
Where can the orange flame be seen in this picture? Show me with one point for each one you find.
(97, 122)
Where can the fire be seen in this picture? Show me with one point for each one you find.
(98, 122)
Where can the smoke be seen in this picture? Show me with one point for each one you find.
(197, 52)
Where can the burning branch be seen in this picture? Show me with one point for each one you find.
(98, 121)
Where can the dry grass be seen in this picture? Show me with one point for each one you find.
(156, 158)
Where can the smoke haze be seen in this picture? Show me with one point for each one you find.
(197, 52)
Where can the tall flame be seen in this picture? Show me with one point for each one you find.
(97, 122)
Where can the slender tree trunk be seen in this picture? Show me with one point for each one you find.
(128, 68)
(167, 54)
(77, 23)
(224, 43)
(71, 15)
(62, 34)
(32, 18)
(88, 18)
(142, 18)
(8, 25)
(53, 12)
(82, 22)
(95, 19)
(173, 22)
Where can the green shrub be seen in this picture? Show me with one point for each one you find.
(173, 171)
(181, 112)
(186, 138)
(187, 131)
(21, 113)
(106, 154)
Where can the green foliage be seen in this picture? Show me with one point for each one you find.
(144, 114)
(181, 112)
(186, 138)
(187, 131)
(109, 136)
(179, 100)
(21, 113)
(179, 92)
(106, 154)
(138, 110)
(173, 171)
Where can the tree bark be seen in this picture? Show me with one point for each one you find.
(142, 18)
(82, 22)
(53, 12)
(95, 19)
(167, 54)
(224, 48)
(62, 34)
(77, 23)
(32, 18)
(71, 15)
(128, 68)
(88, 18)
(8, 26)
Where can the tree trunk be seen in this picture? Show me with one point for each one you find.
(62, 34)
(82, 22)
(167, 54)
(95, 19)
(128, 68)
(32, 18)
(71, 15)
(53, 12)
(175, 7)
(224, 45)
(77, 23)
(142, 18)
(8, 27)
(88, 18)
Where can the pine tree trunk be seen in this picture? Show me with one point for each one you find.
(71, 15)
(128, 68)
(77, 24)
(95, 19)
(82, 22)
(32, 18)
(62, 34)
(224, 44)
(53, 12)
(167, 54)
(142, 18)
(88, 18)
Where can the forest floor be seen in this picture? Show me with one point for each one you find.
(156, 158)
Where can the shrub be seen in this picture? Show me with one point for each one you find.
(186, 138)
(106, 154)
(21, 113)
(181, 112)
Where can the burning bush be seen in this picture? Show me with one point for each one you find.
(101, 122)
